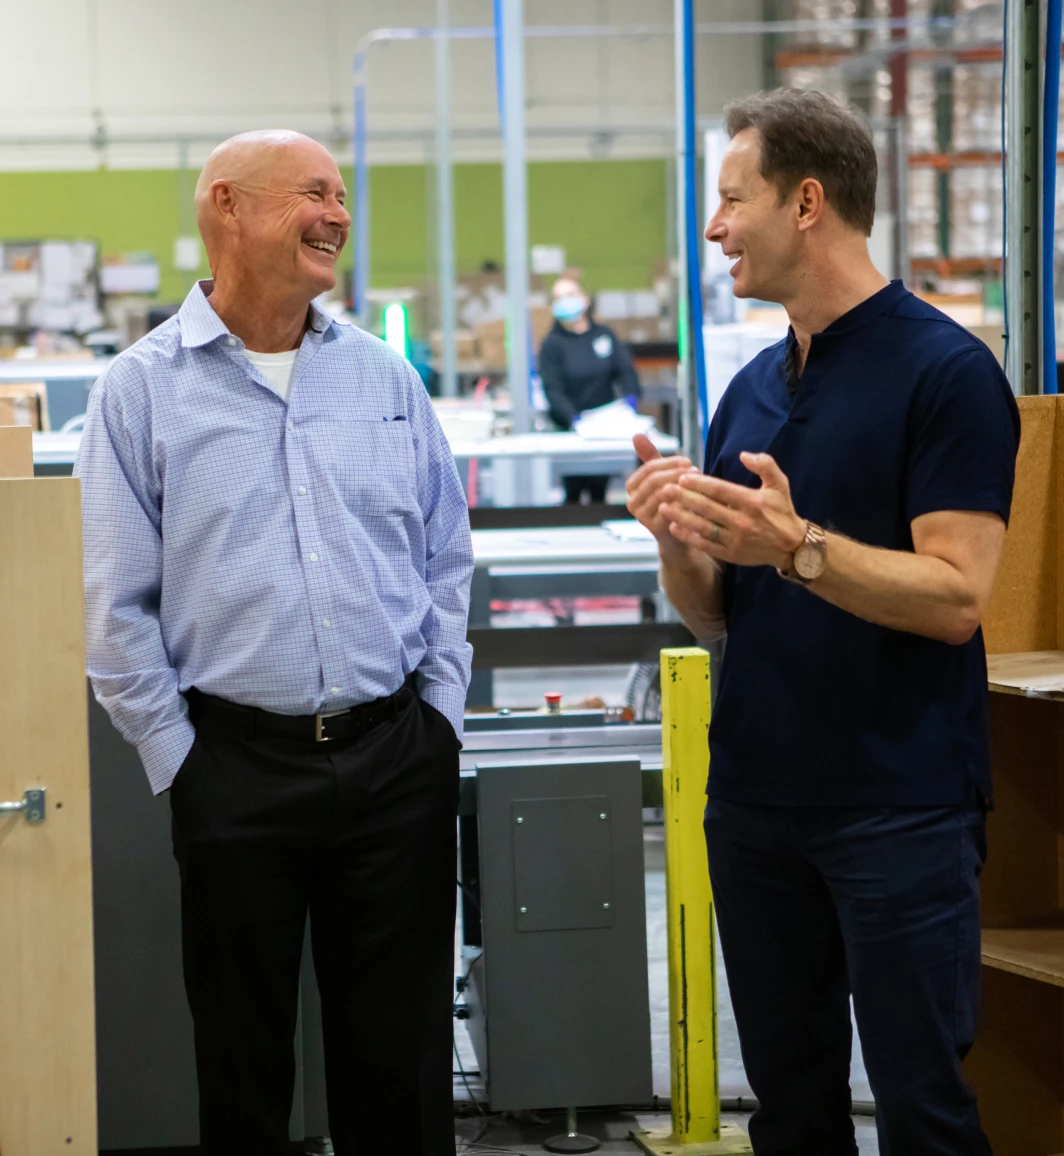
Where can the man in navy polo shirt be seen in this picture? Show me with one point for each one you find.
(845, 536)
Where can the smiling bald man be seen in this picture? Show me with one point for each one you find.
(277, 568)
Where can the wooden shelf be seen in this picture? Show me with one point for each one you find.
(958, 160)
(955, 266)
(825, 57)
(1018, 1056)
(1034, 674)
(1035, 954)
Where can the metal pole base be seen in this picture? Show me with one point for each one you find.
(572, 1141)
(733, 1142)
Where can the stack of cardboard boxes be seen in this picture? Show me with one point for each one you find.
(632, 315)
(481, 309)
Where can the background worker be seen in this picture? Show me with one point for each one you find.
(277, 569)
(845, 535)
(583, 366)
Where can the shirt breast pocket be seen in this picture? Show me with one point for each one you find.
(380, 473)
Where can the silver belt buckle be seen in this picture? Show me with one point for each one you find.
(319, 730)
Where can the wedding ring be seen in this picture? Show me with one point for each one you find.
(714, 533)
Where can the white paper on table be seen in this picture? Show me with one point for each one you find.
(627, 530)
(613, 421)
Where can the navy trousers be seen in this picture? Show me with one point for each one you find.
(817, 904)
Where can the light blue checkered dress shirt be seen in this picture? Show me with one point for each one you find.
(300, 558)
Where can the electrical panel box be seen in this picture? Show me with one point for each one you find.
(558, 999)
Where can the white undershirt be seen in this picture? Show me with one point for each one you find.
(276, 368)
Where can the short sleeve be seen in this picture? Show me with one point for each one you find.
(964, 432)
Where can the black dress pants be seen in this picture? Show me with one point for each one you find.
(815, 904)
(359, 835)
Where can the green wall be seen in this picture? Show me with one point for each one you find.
(610, 216)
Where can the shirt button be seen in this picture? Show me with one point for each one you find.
(334, 690)
(326, 622)
(314, 557)
(232, 341)
(291, 428)
(302, 489)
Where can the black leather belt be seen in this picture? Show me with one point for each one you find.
(319, 728)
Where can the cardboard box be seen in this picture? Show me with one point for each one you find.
(964, 308)
(634, 329)
(491, 337)
(465, 342)
(25, 403)
(542, 322)
(991, 336)
(491, 344)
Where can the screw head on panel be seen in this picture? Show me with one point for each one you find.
(605, 907)
(524, 910)
(603, 815)
(519, 819)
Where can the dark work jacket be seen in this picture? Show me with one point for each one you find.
(584, 370)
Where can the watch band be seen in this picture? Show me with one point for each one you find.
(815, 537)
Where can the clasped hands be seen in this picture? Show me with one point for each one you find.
(730, 523)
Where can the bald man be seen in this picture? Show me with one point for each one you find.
(277, 568)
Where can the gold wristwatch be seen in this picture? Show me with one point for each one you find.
(810, 560)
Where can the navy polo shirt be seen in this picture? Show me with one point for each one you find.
(899, 412)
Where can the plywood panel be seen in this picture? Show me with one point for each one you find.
(1023, 610)
(1035, 954)
(16, 451)
(1017, 1065)
(1021, 881)
(47, 1031)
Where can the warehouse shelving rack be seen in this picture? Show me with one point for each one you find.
(943, 57)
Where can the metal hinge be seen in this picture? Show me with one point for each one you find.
(32, 806)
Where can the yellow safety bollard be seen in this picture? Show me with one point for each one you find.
(696, 1126)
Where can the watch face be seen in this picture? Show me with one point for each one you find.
(809, 561)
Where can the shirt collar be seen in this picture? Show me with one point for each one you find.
(200, 325)
(886, 298)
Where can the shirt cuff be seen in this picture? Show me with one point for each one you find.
(163, 751)
(448, 700)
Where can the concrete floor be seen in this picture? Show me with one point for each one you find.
(527, 1134)
(501, 1134)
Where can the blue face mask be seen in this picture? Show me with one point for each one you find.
(568, 308)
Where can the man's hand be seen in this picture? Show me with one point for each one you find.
(646, 488)
(734, 523)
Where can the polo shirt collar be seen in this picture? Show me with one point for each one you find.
(867, 310)
(200, 325)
